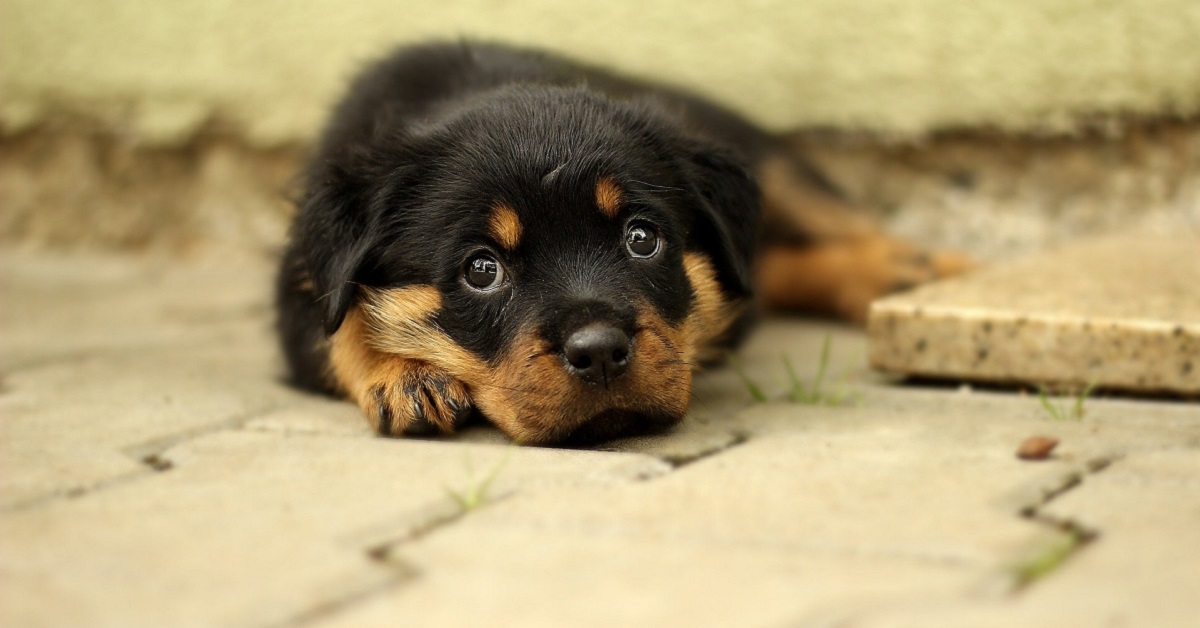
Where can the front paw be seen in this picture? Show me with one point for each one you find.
(415, 399)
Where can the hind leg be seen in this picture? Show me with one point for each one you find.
(842, 278)
(823, 255)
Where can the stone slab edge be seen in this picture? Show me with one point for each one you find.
(1008, 347)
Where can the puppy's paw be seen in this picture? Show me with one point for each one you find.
(886, 265)
(411, 398)
(843, 277)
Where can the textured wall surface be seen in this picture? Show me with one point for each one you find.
(271, 67)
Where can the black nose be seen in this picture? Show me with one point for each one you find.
(597, 353)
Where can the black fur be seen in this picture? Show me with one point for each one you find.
(402, 182)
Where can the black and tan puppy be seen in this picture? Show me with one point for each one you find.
(494, 229)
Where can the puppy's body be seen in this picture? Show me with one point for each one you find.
(552, 245)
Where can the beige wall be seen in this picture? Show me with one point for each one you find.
(162, 67)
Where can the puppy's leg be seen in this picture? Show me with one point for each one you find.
(843, 277)
(800, 206)
(400, 396)
(821, 254)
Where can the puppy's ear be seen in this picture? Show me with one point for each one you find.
(728, 206)
(334, 236)
(359, 181)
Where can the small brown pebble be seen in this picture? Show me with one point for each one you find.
(1036, 448)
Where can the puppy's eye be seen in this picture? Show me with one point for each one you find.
(642, 239)
(483, 272)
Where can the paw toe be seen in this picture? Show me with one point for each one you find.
(381, 410)
(419, 402)
(420, 425)
(950, 263)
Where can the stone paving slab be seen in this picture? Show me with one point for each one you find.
(1165, 482)
(76, 424)
(1120, 312)
(1153, 571)
(153, 471)
(529, 576)
(834, 514)
(766, 491)
(249, 528)
(64, 307)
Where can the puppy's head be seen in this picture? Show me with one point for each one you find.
(564, 255)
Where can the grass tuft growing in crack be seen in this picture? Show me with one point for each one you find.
(475, 493)
(756, 393)
(814, 393)
(1048, 558)
(1069, 535)
(1064, 410)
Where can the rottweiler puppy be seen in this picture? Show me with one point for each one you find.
(502, 231)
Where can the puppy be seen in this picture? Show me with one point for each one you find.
(497, 230)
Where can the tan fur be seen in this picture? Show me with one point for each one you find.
(354, 364)
(527, 392)
(376, 357)
(843, 278)
(533, 399)
(796, 207)
(391, 337)
(505, 226)
(847, 261)
(608, 197)
(711, 314)
(400, 322)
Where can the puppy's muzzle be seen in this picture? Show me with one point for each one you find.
(597, 353)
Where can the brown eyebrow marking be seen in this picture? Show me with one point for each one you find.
(608, 197)
(504, 226)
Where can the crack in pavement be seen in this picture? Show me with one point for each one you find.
(149, 453)
(438, 516)
(1071, 536)
(737, 438)
(400, 573)
(382, 550)
(75, 492)
(420, 524)
(426, 521)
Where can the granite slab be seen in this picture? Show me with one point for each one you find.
(1121, 312)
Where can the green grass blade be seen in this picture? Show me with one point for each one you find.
(844, 392)
(486, 484)
(1044, 397)
(822, 365)
(1083, 395)
(796, 392)
(751, 387)
(457, 498)
(1048, 559)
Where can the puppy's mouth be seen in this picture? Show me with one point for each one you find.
(538, 400)
(616, 423)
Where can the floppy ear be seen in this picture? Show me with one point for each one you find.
(357, 182)
(334, 235)
(342, 222)
(728, 207)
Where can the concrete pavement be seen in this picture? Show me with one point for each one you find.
(155, 472)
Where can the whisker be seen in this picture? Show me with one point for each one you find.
(656, 186)
(674, 362)
(697, 400)
(522, 390)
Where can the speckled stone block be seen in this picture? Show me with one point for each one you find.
(1121, 311)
